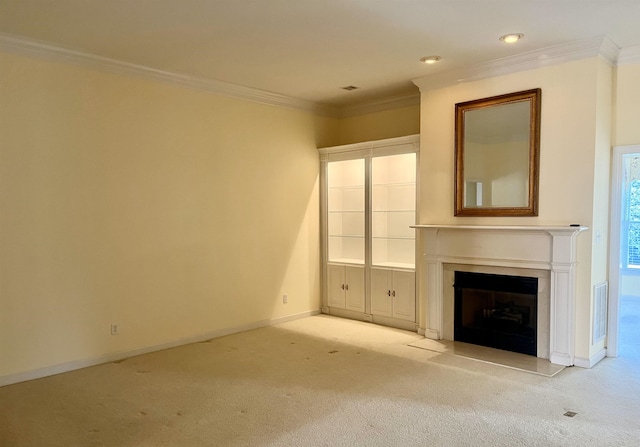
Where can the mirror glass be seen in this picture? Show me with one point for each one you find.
(497, 155)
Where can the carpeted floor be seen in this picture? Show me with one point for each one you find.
(629, 327)
(322, 381)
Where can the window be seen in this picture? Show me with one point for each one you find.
(633, 225)
(631, 217)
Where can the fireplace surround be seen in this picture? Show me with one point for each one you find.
(547, 252)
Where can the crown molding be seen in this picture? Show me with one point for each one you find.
(44, 50)
(600, 46)
(609, 51)
(379, 105)
(596, 46)
(629, 55)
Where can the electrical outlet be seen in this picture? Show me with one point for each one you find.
(285, 299)
(115, 329)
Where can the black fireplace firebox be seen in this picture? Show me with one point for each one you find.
(499, 311)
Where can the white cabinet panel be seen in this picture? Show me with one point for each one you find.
(393, 294)
(335, 286)
(354, 296)
(345, 288)
(404, 301)
(381, 285)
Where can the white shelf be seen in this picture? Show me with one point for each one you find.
(393, 251)
(547, 228)
(393, 238)
(346, 187)
(396, 265)
(386, 185)
(346, 261)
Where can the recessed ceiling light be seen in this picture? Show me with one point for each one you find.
(430, 59)
(511, 38)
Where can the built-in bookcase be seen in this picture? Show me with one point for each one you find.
(368, 208)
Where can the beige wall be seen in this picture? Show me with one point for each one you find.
(573, 130)
(601, 190)
(172, 212)
(169, 211)
(397, 122)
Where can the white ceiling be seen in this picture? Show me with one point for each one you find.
(309, 49)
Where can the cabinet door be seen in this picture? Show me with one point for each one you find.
(404, 301)
(354, 299)
(336, 285)
(381, 288)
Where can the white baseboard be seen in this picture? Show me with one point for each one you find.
(84, 363)
(561, 359)
(591, 361)
(393, 322)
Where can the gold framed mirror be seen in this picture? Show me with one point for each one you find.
(497, 155)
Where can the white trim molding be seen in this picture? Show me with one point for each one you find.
(379, 105)
(629, 55)
(45, 50)
(591, 361)
(93, 361)
(615, 236)
(600, 46)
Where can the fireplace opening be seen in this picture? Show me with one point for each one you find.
(498, 311)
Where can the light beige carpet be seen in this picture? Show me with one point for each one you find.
(321, 381)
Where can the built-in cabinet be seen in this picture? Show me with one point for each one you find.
(393, 293)
(345, 287)
(368, 207)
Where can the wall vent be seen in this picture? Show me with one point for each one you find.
(600, 293)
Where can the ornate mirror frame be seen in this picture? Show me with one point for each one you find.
(463, 139)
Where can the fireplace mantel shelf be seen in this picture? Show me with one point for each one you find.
(554, 228)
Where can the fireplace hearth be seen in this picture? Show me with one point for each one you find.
(498, 311)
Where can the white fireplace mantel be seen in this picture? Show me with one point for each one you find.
(552, 248)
